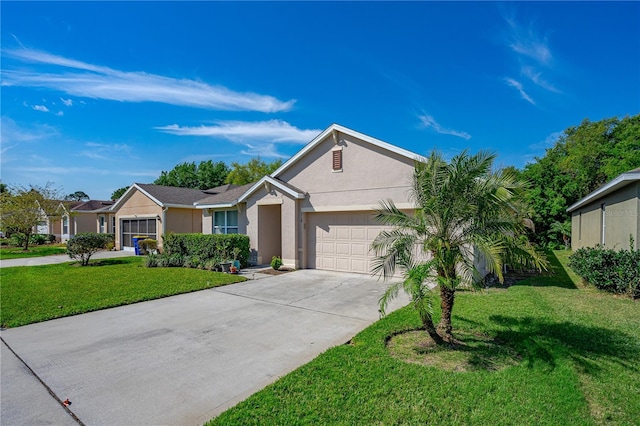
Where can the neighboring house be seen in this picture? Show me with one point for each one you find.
(153, 210)
(82, 216)
(317, 209)
(609, 215)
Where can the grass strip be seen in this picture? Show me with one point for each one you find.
(35, 251)
(39, 293)
(576, 362)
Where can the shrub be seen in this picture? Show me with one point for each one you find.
(276, 262)
(82, 246)
(18, 239)
(37, 239)
(208, 246)
(609, 270)
(148, 245)
(151, 261)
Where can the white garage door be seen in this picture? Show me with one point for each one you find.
(341, 241)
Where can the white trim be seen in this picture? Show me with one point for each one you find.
(216, 206)
(619, 182)
(351, 208)
(127, 194)
(270, 202)
(274, 182)
(338, 128)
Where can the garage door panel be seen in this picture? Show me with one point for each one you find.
(343, 233)
(341, 241)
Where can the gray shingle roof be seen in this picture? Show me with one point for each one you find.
(93, 205)
(173, 195)
(231, 194)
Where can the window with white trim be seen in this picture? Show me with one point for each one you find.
(65, 225)
(102, 225)
(225, 222)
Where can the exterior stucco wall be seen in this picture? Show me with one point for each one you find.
(289, 225)
(183, 221)
(369, 174)
(138, 206)
(621, 220)
(84, 222)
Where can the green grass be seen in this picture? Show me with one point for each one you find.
(577, 363)
(38, 293)
(34, 251)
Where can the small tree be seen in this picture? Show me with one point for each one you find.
(83, 245)
(22, 209)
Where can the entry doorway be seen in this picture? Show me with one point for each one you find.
(269, 233)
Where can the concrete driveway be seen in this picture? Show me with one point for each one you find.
(183, 359)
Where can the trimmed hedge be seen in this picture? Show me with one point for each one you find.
(609, 270)
(205, 247)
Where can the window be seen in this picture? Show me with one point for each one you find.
(604, 225)
(113, 224)
(134, 227)
(65, 225)
(102, 223)
(225, 222)
(337, 160)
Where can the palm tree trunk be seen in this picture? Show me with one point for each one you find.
(427, 323)
(447, 296)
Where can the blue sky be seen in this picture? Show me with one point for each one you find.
(98, 95)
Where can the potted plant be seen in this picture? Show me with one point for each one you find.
(236, 262)
(233, 269)
(226, 263)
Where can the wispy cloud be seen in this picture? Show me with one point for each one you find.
(272, 131)
(41, 108)
(67, 102)
(12, 133)
(533, 54)
(427, 121)
(547, 142)
(527, 42)
(518, 86)
(77, 78)
(536, 77)
(102, 151)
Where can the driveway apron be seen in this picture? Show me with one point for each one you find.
(182, 359)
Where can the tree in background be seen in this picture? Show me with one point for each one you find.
(255, 169)
(564, 230)
(584, 158)
(119, 193)
(462, 208)
(22, 209)
(205, 175)
(77, 196)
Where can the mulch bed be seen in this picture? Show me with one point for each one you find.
(276, 272)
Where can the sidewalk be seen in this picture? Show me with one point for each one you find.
(59, 258)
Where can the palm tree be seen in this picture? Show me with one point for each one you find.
(464, 211)
(564, 229)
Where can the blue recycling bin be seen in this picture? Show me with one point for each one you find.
(136, 246)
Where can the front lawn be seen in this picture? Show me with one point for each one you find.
(38, 293)
(576, 361)
(34, 251)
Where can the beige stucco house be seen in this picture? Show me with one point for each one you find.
(153, 210)
(609, 215)
(316, 210)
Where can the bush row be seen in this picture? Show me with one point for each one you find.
(206, 247)
(18, 239)
(609, 270)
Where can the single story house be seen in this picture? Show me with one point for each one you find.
(609, 215)
(153, 210)
(74, 217)
(316, 210)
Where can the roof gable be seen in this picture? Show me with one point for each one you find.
(333, 131)
(163, 196)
